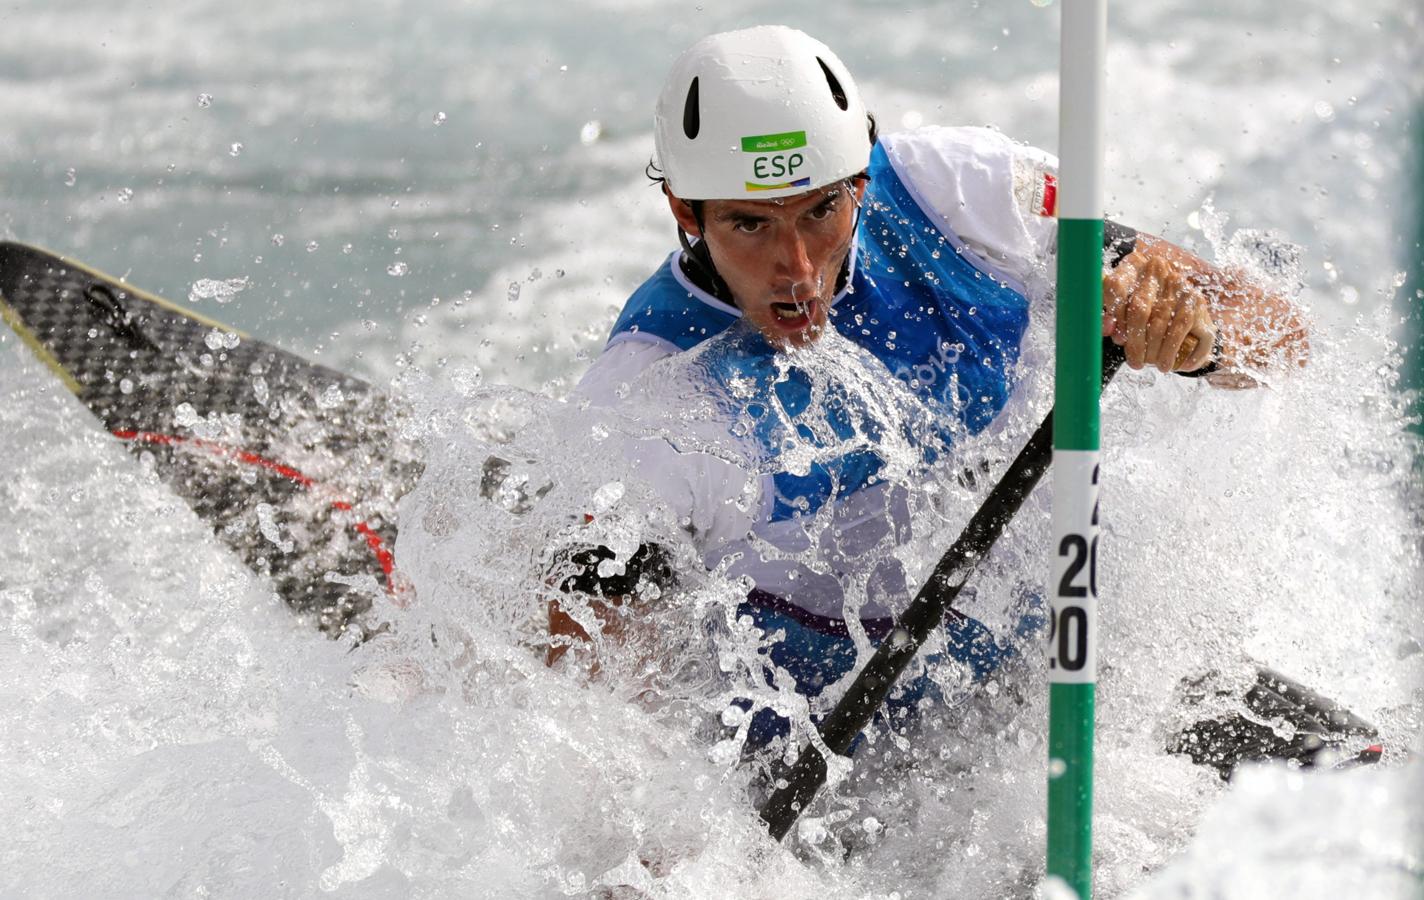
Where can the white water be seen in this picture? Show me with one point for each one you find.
(166, 730)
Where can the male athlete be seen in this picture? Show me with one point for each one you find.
(850, 307)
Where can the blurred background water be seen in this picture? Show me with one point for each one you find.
(395, 186)
(354, 162)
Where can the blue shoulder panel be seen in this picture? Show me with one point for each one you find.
(941, 324)
(664, 308)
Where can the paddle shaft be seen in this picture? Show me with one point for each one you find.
(798, 785)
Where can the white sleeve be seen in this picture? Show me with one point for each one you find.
(713, 495)
(616, 368)
(996, 195)
(675, 438)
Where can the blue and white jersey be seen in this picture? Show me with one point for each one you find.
(828, 445)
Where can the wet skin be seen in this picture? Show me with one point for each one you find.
(780, 257)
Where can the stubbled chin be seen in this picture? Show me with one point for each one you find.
(807, 336)
(784, 339)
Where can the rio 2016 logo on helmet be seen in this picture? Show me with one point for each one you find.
(758, 114)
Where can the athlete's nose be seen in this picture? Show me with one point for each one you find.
(793, 258)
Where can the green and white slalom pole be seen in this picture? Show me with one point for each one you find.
(1073, 588)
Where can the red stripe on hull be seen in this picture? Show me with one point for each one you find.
(383, 555)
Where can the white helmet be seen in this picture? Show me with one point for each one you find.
(758, 114)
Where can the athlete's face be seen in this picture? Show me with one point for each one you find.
(780, 257)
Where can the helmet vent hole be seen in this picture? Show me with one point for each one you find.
(691, 117)
(837, 92)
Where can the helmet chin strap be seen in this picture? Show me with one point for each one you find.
(700, 257)
(703, 271)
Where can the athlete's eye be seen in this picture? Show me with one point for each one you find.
(824, 211)
(747, 226)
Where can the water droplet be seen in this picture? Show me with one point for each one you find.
(346, 248)
(125, 195)
(467, 379)
(439, 118)
(235, 149)
(393, 233)
(70, 176)
(185, 415)
(558, 273)
(216, 289)
(590, 132)
(267, 525)
(1324, 111)
(513, 292)
(312, 246)
(607, 496)
(205, 100)
(278, 239)
(125, 386)
(331, 397)
(397, 269)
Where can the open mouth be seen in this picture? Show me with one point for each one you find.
(794, 315)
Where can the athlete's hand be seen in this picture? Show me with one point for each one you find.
(1153, 310)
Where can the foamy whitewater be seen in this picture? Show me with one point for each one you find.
(448, 200)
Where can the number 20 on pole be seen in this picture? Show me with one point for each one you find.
(1072, 627)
